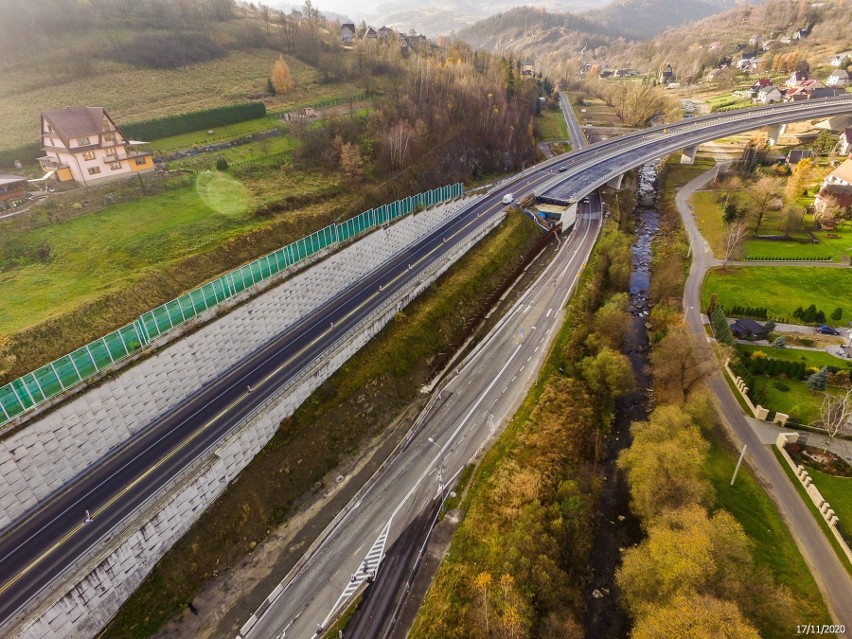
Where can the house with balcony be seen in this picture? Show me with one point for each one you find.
(84, 144)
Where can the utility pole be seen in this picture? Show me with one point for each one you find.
(739, 462)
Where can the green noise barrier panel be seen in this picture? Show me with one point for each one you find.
(27, 392)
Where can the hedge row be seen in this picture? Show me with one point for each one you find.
(195, 121)
(748, 311)
(826, 258)
(158, 128)
(26, 153)
(775, 367)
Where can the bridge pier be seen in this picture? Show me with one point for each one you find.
(615, 183)
(774, 133)
(687, 156)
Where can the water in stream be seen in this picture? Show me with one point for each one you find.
(617, 528)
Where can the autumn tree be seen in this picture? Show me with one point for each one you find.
(678, 364)
(797, 182)
(611, 321)
(792, 216)
(663, 465)
(483, 584)
(693, 617)
(764, 191)
(282, 79)
(608, 373)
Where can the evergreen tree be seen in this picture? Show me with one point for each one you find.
(798, 312)
(270, 88)
(809, 314)
(820, 317)
(818, 380)
(837, 314)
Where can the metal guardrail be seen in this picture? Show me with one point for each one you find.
(33, 389)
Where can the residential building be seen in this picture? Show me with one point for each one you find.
(797, 155)
(844, 144)
(528, 69)
(837, 78)
(370, 34)
(841, 195)
(769, 94)
(666, 75)
(12, 187)
(838, 58)
(746, 328)
(841, 176)
(85, 145)
(809, 90)
(347, 33)
(796, 78)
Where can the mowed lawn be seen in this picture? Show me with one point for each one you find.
(101, 252)
(551, 125)
(780, 289)
(798, 401)
(838, 492)
(816, 359)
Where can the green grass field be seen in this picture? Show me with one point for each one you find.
(816, 359)
(98, 253)
(774, 548)
(551, 125)
(132, 94)
(798, 401)
(838, 493)
(708, 218)
(229, 132)
(781, 289)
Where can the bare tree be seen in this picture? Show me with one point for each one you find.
(733, 239)
(763, 192)
(835, 416)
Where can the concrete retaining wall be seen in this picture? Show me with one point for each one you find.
(97, 589)
(52, 450)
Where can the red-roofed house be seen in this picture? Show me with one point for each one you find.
(85, 145)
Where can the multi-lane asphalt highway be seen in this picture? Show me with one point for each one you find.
(463, 416)
(575, 132)
(38, 549)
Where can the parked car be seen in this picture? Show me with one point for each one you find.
(508, 199)
(825, 329)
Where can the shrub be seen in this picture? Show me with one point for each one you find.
(221, 164)
(781, 386)
(780, 342)
(172, 51)
(194, 121)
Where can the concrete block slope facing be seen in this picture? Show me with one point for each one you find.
(95, 590)
(50, 451)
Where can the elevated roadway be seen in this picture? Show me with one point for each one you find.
(40, 548)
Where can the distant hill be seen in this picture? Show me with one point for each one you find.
(525, 30)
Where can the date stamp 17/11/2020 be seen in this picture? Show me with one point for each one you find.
(820, 629)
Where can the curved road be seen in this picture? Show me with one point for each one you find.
(40, 548)
(831, 575)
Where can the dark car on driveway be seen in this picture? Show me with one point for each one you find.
(825, 329)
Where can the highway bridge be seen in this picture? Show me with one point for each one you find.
(38, 550)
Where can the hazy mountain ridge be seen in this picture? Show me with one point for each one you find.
(517, 29)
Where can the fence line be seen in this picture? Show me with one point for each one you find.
(28, 391)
